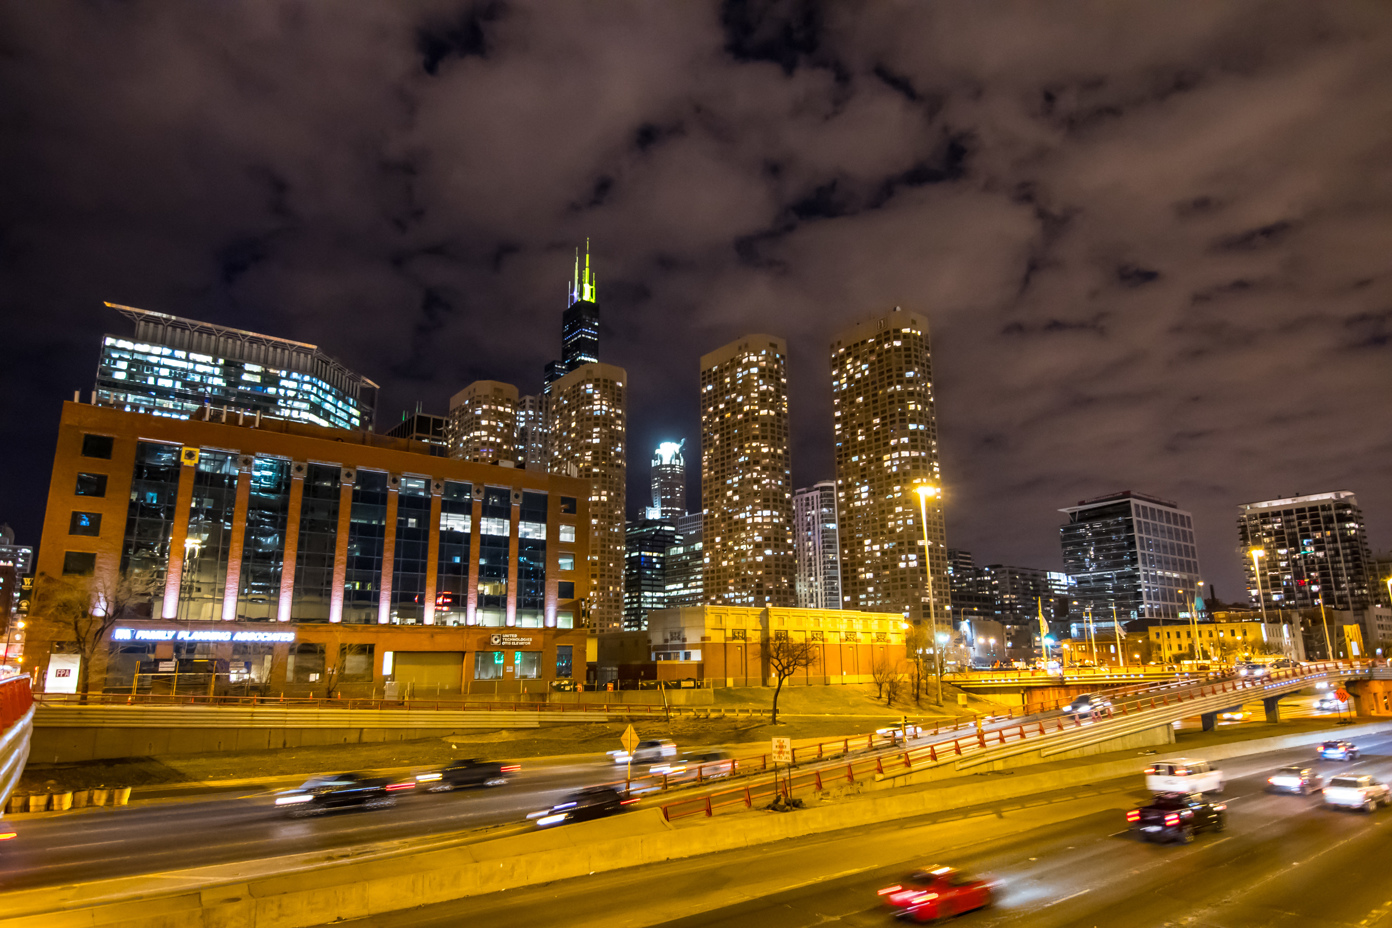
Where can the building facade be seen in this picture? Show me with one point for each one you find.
(669, 480)
(1130, 553)
(425, 428)
(589, 429)
(645, 569)
(174, 367)
(886, 447)
(1223, 638)
(816, 547)
(1313, 550)
(746, 474)
(482, 423)
(532, 436)
(684, 565)
(244, 543)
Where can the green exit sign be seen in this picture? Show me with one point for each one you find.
(497, 657)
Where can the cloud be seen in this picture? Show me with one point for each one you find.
(1153, 242)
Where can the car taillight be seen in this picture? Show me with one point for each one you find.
(1172, 819)
(1149, 771)
(7, 835)
(890, 889)
(512, 768)
(627, 802)
(1133, 816)
(1220, 807)
(391, 787)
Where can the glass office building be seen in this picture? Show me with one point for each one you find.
(175, 367)
(1132, 553)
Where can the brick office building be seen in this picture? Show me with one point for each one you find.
(287, 556)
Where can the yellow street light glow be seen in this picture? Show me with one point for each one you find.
(927, 491)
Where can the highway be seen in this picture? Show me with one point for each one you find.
(1064, 859)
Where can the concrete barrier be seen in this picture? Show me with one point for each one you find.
(252, 895)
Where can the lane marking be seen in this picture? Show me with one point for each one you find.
(1081, 892)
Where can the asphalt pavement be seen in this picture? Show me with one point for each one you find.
(1063, 860)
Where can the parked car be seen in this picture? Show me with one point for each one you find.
(1184, 775)
(344, 790)
(938, 892)
(468, 772)
(1337, 750)
(1361, 792)
(1295, 779)
(1177, 817)
(582, 805)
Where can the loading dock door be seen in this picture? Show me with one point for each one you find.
(424, 673)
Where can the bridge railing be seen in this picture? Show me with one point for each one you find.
(337, 702)
(16, 726)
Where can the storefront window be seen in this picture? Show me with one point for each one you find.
(488, 665)
(263, 547)
(355, 663)
(305, 664)
(314, 554)
(565, 618)
(528, 665)
(563, 661)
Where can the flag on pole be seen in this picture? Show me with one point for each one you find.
(1043, 625)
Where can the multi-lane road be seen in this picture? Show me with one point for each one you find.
(1063, 859)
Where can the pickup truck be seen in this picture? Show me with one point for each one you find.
(1183, 775)
(1177, 817)
(1356, 792)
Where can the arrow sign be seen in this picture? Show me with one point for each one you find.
(629, 740)
(1341, 694)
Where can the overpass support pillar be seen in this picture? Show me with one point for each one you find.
(1272, 704)
(1210, 720)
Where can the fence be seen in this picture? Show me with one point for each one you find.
(338, 702)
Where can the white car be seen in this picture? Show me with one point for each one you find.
(1361, 792)
(1183, 775)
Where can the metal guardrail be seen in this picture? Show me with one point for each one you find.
(314, 702)
(17, 722)
(185, 717)
(1135, 713)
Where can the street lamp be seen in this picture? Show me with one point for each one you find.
(1256, 574)
(925, 491)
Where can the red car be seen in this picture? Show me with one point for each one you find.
(937, 892)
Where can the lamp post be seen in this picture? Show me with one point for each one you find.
(926, 490)
(1256, 575)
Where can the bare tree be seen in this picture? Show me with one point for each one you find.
(893, 687)
(786, 657)
(80, 611)
(881, 672)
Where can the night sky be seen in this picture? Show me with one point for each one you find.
(1154, 239)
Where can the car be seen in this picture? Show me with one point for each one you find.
(1177, 817)
(1329, 704)
(1356, 792)
(1087, 704)
(466, 772)
(1294, 779)
(1184, 775)
(583, 805)
(339, 791)
(1337, 750)
(1234, 715)
(695, 767)
(1250, 669)
(652, 751)
(934, 892)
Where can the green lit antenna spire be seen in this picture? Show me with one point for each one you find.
(586, 286)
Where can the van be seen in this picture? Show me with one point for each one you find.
(1183, 775)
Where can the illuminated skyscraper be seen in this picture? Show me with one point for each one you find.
(579, 323)
(531, 433)
(174, 367)
(482, 424)
(669, 480)
(816, 548)
(588, 428)
(684, 565)
(886, 446)
(1314, 547)
(746, 474)
(645, 569)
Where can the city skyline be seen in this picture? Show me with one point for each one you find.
(1144, 313)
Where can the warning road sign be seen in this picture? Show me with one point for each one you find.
(629, 740)
(782, 750)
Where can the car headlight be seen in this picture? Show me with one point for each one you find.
(551, 819)
(293, 800)
(427, 777)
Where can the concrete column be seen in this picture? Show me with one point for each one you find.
(1210, 721)
(1272, 705)
(183, 501)
(388, 551)
(292, 541)
(432, 553)
(345, 511)
(237, 542)
(514, 517)
(471, 610)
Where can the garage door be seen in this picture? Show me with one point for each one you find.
(425, 673)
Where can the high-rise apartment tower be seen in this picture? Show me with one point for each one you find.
(588, 426)
(482, 423)
(1311, 549)
(886, 448)
(746, 474)
(816, 547)
(669, 480)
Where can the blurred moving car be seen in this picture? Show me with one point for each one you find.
(1184, 775)
(652, 751)
(1234, 715)
(1087, 704)
(696, 767)
(1337, 750)
(345, 790)
(1361, 792)
(1294, 779)
(937, 892)
(582, 805)
(1329, 704)
(467, 772)
(1250, 669)
(1177, 817)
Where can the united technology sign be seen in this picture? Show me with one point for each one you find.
(183, 634)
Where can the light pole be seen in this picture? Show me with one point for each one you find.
(925, 490)
(1256, 575)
